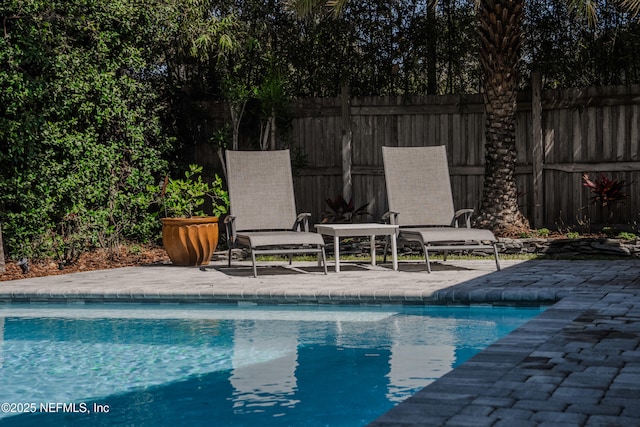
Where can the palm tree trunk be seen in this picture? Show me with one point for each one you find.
(500, 28)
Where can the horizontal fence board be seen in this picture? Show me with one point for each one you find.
(594, 167)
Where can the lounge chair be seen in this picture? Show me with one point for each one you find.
(421, 203)
(263, 213)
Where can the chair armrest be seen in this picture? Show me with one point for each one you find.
(230, 227)
(302, 220)
(390, 218)
(466, 213)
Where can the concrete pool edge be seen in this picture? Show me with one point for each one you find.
(362, 285)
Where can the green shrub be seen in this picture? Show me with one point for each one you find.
(543, 232)
(625, 235)
(80, 127)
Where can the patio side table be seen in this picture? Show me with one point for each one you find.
(366, 229)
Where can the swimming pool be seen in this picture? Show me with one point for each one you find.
(151, 365)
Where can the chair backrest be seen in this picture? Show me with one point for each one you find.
(418, 185)
(261, 189)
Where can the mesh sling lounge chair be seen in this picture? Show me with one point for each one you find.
(421, 203)
(263, 213)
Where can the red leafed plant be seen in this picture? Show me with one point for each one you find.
(606, 192)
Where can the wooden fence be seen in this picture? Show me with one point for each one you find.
(561, 134)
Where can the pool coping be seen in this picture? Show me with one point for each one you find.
(576, 364)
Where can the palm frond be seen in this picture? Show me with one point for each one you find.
(631, 6)
(587, 9)
(306, 8)
(337, 5)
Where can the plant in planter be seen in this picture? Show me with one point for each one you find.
(188, 236)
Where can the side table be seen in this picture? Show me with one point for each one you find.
(366, 229)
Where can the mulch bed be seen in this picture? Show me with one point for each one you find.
(95, 260)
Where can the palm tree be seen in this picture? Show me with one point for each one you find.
(500, 32)
(499, 29)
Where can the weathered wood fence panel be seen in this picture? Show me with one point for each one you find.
(594, 130)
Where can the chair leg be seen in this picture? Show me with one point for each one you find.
(324, 260)
(426, 258)
(253, 260)
(229, 258)
(495, 252)
(386, 247)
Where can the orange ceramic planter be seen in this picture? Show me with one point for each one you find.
(190, 241)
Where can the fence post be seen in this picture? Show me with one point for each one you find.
(346, 141)
(538, 149)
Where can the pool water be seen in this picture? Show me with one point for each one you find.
(155, 365)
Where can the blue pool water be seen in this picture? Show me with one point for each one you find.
(170, 365)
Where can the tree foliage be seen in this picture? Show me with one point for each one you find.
(409, 46)
(79, 125)
(571, 54)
